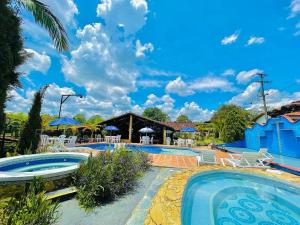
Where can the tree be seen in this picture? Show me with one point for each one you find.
(94, 120)
(12, 54)
(29, 138)
(156, 114)
(44, 17)
(80, 118)
(183, 118)
(230, 122)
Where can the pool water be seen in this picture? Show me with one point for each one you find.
(289, 161)
(148, 149)
(40, 164)
(232, 198)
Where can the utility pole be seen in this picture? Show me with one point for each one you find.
(263, 95)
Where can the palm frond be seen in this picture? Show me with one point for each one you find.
(43, 16)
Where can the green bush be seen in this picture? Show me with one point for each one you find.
(103, 178)
(209, 140)
(30, 208)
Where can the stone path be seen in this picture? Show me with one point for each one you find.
(130, 209)
(139, 214)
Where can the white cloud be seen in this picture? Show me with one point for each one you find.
(228, 72)
(104, 62)
(295, 8)
(211, 83)
(131, 14)
(230, 39)
(141, 49)
(255, 40)
(21, 102)
(151, 99)
(150, 83)
(36, 62)
(195, 112)
(105, 68)
(247, 96)
(245, 76)
(179, 87)
(250, 97)
(205, 84)
(65, 10)
(160, 73)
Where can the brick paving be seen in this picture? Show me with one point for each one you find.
(174, 161)
(179, 161)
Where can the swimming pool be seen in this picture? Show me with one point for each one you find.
(236, 198)
(47, 165)
(289, 161)
(148, 149)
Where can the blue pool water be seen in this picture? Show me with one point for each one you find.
(232, 198)
(149, 149)
(289, 161)
(40, 164)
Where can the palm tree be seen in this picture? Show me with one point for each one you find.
(11, 42)
(48, 20)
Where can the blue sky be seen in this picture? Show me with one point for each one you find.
(183, 57)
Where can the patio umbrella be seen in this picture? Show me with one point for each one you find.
(64, 122)
(146, 130)
(188, 129)
(111, 128)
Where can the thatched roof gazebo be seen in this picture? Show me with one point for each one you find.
(129, 125)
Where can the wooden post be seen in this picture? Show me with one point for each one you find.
(164, 136)
(130, 129)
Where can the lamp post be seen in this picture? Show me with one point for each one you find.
(64, 98)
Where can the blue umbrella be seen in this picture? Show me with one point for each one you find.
(111, 128)
(188, 129)
(64, 122)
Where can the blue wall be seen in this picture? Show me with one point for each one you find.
(279, 135)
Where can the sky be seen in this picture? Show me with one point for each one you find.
(184, 57)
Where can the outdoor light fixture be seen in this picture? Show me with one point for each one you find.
(64, 98)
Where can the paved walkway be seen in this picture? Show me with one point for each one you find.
(179, 161)
(174, 161)
(130, 209)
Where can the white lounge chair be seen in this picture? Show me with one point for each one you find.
(71, 141)
(246, 159)
(265, 156)
(206, 157)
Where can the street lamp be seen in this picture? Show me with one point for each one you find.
(64, 98)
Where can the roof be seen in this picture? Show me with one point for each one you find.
(292, 117)
(138, 116)
(291, 107)
(177, 126)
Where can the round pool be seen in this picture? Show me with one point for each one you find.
(46, 165)
(236, 198)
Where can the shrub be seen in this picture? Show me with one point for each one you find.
(108, 175)
(29, 138)
(30, 208)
